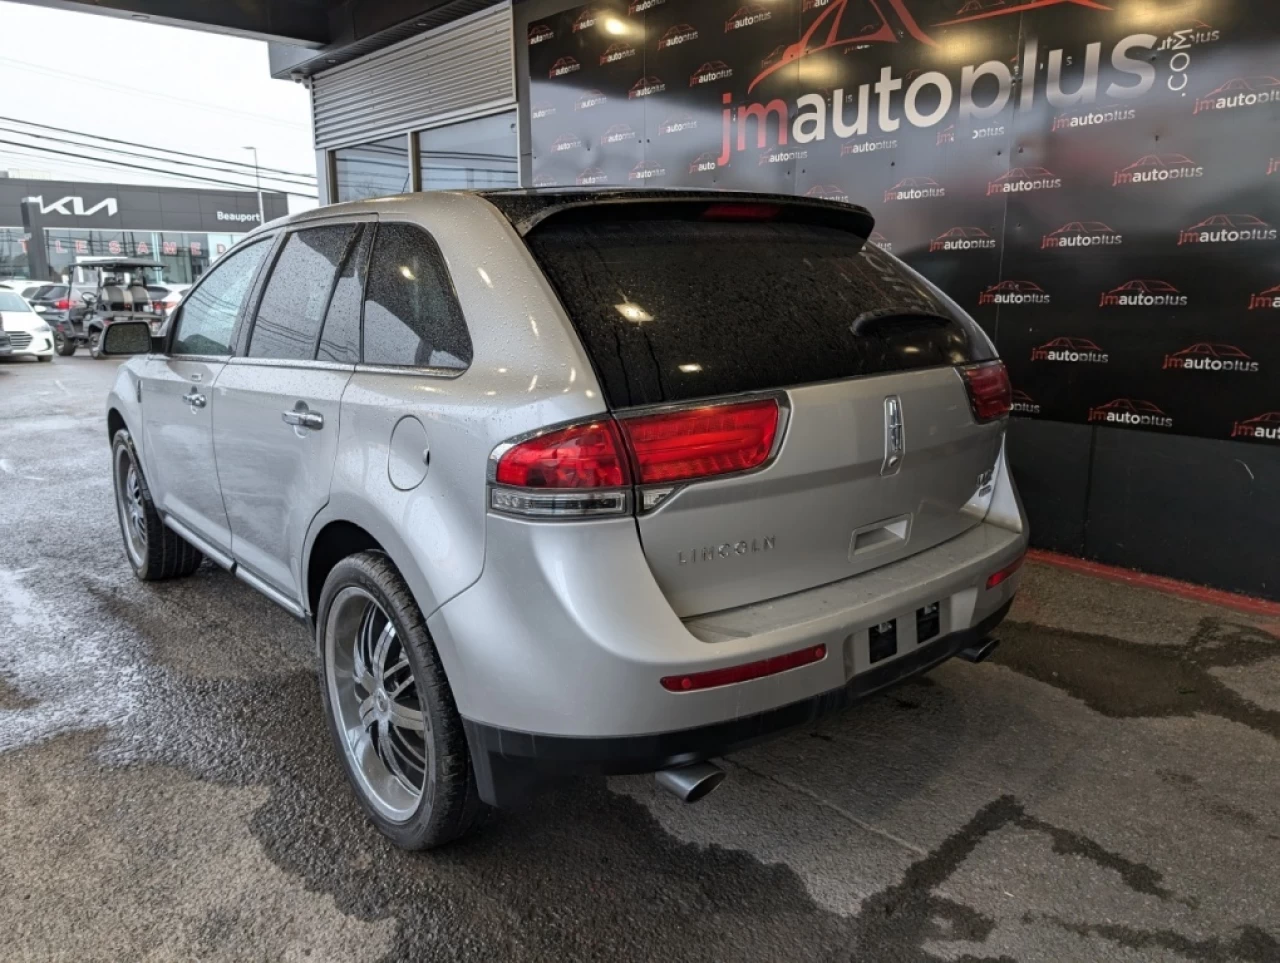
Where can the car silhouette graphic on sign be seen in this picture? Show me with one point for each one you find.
(1070, 344)
(1207, 350)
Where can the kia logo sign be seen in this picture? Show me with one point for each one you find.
(74, 206)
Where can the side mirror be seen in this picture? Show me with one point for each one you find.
(125, 338)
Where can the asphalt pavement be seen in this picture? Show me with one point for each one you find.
(1107, 787)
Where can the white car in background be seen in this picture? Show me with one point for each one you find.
(29, 334)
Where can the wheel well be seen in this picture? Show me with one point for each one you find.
(115, 421)
(336, 541)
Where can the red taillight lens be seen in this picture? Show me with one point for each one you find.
(701, 442)
(741, 212)
(63, 305)
(584, 456)
(744, 673)
(1005, 573)
(990, 394)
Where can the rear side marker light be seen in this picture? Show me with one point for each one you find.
(744, 673)
(990, 394)
(701, 442)
(1005, 573)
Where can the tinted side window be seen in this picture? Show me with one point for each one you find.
(411, 315)
(293, 305)
(209, 315)
(340, 341)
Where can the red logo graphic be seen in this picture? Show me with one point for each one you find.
(1264, 427)
(565, 65)
(1157, 168)
(710, 72)
(640, 6)
(773, 56)
(540, 110)
(678, 123)
(617, 134)
(1211, 357)
(592, 175)
(566, 142)
(592, 98)
(680, 33)
(1263, 300)
(828, 192)
(947, 135)
(1014, 292)
(914, 189)
(646, 87)
(1070, 349)
(1022, 179)
(586, 20)
(704, 163)
(1092, 117)
(963, 239)
(748, 15)
(1081, 234)
(1227, 228)
(616, 52)
(1024, 404)
(1130, 411)
(647, 171)
(540, 33)
(1241, 92)
(1144, 293)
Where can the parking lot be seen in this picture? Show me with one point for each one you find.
(1107, 787)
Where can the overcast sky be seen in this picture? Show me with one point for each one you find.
(202, 93)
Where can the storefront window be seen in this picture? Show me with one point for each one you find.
(472, 154)
(372, 170)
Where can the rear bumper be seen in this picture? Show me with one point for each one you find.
(510, 765)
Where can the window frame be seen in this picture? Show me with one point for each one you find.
(175, 322)
(426, 371)
(260, 289)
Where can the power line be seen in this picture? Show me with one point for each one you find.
(134, 143)
(140, 167)
(127, 153)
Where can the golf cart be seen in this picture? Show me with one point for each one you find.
(116, 291)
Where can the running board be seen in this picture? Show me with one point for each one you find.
(224, 560)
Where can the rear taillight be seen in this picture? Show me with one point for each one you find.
(990, 394)
(1005, 573)
(63, 305)
(701, 442)
(589, 469)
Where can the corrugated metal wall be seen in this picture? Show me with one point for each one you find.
(458, 69)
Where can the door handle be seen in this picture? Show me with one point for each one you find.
(302, 418)
(195, 399)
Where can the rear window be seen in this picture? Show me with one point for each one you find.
(673, 310)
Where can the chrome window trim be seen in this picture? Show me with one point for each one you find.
(420, 371)
(290, 363)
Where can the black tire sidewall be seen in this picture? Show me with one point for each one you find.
(155, 527)
(374, 573)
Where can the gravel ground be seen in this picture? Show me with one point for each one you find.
(1107, 787)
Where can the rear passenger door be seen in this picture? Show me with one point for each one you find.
(278, 403)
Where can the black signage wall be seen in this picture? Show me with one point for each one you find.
(1109, 216)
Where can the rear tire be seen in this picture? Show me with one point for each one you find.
(153, 549)
(389, 707)
(95, 344)
(63, 345)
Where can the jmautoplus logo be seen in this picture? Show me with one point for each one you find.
(947, 135)
(828, 192)
(592, 98)
(617, 134)
(815, 5)
(1092, 117)
(640, 6)
(704, 163)
(1024, 404)
(1211, 357)
(586, 20)
(785, 156)
(647, 171)
(1228, 229)
(540, 33)
(880, 241)
(1021, 180)
(867, 146)
(1195, 33)
(1268, 300)
(1014, 293)
(710, 72)
(678, 124)
(1262, 428)
(566, 142)
(617, 52)
(963, 239)
(1131, 413)
(1143, 293)
(564, 66)
(1081, 234)
(1070, 350)
(914, 189)
(592, 175)
(1158, 169)
(1241, 92)
(1274, 166)
(541, 111)
(545, 180)
(748, 16)
(646, 87)
(681, 33)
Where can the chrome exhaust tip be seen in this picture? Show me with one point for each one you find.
(979, 651)
(690, 783)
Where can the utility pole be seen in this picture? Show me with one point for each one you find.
(257, 179)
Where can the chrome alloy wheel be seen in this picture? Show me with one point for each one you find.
(383, 729)
(133, 513)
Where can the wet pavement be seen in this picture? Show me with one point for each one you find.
(1106, 788)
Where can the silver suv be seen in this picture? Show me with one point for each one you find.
(575, 481)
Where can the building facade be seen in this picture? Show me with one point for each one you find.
(184, 229)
